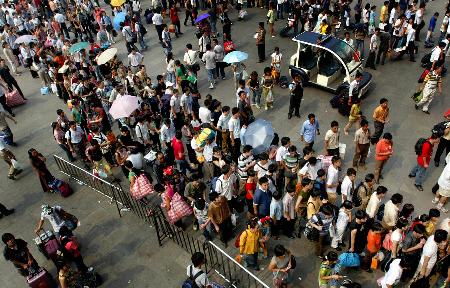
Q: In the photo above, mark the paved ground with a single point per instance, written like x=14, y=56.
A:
x=122, y=249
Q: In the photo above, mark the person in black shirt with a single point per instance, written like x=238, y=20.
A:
x=5, y=74
x=358, y=233
x=16, y=251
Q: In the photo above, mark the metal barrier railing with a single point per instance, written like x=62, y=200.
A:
x=149, y=210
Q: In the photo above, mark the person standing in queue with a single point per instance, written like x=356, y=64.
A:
x=296, y=96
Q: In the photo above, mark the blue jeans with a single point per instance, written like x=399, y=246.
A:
x=170, y=76
x=182, y=165
x=211, y=74
x=142, y=42
x=419, y=172
x=251, y=260
x=256, y=98
x=168, y=47
x=359, y=45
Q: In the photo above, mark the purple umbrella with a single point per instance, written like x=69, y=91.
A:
x=201, y=17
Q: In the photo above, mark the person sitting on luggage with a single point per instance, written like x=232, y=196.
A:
x=17, y=252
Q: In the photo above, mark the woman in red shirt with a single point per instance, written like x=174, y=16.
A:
x=250, y=187
x=173, y=13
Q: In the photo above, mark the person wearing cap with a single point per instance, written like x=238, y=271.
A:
x=261, y=41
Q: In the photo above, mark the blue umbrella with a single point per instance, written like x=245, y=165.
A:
x=201, y=17
x=78, y=47
x=235, y=56
x=119, y=18
x=259, y=135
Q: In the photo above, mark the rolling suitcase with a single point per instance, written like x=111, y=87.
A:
x=14, y=99
x=47, y=244
x=40, y=279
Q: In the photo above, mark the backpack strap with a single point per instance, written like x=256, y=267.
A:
x=194, y=277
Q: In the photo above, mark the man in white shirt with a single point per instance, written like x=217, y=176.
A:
x=348, y=184
x=394, y=273
x=167, y=133
x=234, y=126
x=209, y=58
x=353, y=90
x=332, y=140
x=429, y=253
x=204, y=113
x=436, y=55
x=226, y=184
x=375, y=201
x=75, y=139
x=333, y=179
x=135, y=60
x=129, y=37
x=157, y=19
x=373, y=47
x=175, y=109
x=194, y=271
x=190, y=57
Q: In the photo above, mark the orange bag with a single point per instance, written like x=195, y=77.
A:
x=374, y=264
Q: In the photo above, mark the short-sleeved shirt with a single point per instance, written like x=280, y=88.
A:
x=362, y=137
x=289, y=205
x=260, y=169
x=234, y=125
x=242, y=163
x=360, y=237
x=309, y=131
x=276, y=209
x=393, y=275
x=175, y=102
x=427, y=151
x=430, y=249
x=290, y=161
x=262, y=199
x=201, y=280
x=435, y=54
x=409, y=242
x=54, y=218
x=380, y=113
x=76, y=136
x=333, y=139
x=347, y=187
x=332, y=178
x=20, y=254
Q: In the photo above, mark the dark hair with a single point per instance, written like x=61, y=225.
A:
x=7, y=237
x=401, y=223
x=279, y=250
x=335, y=159
x=225, y=169
x=272, y=167
x=311, y=115
x=197, y=259
x=364, y=122
x=334, y=123
x=225, y=108
x=360, y=214
x=331, y=256
x=351, y=171
x=263, y=180
x=369, y=177
x=381, y=190
x=407, y=210
x=292, y=148
x=307, y=150
x=263, y=156
x=247, y=148
x=200, y=204
x=234, y=110
x=383, y=100
x=327, y=209
x=347, y=204
x=213, y=196
x=397, y=198
x=376, y=226
x=434, y=213
x=251, y=172
x=440, y=235
x=315, y=193
x=290, y=187
x=312, y=160
x=321, y=173
x=285, y=141
x=387, y=136
x=277, y=195
x=159, y=187
x=305, y=181
x=189, y=46
x=419, y=228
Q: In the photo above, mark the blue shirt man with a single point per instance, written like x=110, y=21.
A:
x=309, y=130
x=262, y=198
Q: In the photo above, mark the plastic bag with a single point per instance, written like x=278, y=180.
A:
x=16, y=164
x=349, y=259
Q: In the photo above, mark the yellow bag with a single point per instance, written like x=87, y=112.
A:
x=201, y=159
x=374, y=264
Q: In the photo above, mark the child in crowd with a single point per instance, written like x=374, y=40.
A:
x=201, y=213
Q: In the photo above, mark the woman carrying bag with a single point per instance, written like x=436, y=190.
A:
x=282, y=266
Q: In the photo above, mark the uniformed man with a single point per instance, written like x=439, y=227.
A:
x=296, y=92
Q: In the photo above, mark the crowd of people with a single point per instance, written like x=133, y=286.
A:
x=202, y=169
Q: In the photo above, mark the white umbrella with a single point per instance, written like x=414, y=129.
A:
x=124, y=106
x=26, y=39
x=106, y=55
x=60, y=17
x=259, y=134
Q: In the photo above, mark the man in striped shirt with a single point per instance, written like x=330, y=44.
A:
x=290, y=165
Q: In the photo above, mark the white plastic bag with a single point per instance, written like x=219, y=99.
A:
x=54, y=88
x=233, y=219
x=16, y=164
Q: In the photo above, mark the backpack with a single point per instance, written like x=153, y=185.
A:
x=356, y=199
x=190, y=281
x=380, y=213
x=237, y=242
x=284, y=82
x=214, y=184
x=419, y=145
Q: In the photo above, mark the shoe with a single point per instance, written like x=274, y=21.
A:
x=338, y=249
x=298, y=116
x=13, y=115
x=426, y=112
x=381, y=177
x=436, y=163
x=411, y=176
x=289, y=116
x=257, y=106
x=211, y=86
x=291, y=236
x=416, y=106
x=434, y=201
x=265, y=108
x=419, y=187
x=1, y=216
x=223, y=78
x=341, y=244
x=369, y=271
x=18, y=171
x=273, y=36
x=8, y=212
x=11, y=177
x=90, y=269
x=194, y=227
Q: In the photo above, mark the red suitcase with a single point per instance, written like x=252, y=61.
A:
x=14, y=99
x=41, y=279
x=65, y=189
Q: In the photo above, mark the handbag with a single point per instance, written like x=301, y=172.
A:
x=178, y=209
x=311, y=233
x=141, y=188
x=349, y=259
x=70, y=220
x=293, y=262
x=278, y=279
